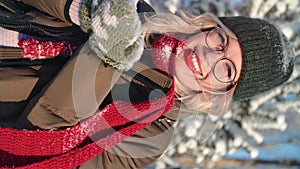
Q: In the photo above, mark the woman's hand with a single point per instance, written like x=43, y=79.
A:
x=115, y=32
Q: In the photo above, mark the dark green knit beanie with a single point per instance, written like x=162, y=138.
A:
x=268, y=57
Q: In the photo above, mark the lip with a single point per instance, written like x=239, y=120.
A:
x=188, y=55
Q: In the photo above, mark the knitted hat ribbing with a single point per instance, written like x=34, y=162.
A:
x=268, y=57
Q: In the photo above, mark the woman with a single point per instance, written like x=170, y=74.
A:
x=212, y=60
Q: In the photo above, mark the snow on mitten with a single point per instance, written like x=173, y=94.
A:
x=115, y=31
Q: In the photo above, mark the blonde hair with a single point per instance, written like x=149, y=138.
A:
x=169, y=23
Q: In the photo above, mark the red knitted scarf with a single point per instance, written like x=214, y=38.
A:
x=46, y=49
x=71, y=147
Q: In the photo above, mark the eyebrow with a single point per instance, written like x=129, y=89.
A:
x=209, y=29
x=199, y=31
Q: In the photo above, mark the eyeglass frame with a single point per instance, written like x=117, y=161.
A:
x=231, y=82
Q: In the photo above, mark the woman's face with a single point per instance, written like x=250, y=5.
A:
x=210, y=61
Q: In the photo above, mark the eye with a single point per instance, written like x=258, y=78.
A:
x=229, y=71
x=222, y=40
x=217, y=39
x=224, y=71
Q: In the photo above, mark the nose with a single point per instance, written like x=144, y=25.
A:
x=209, y=56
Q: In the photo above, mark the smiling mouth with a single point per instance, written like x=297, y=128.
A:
x=193, y=62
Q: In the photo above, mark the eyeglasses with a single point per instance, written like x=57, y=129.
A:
x=224, y=69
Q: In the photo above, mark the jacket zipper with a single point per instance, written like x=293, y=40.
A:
x=36, y=28
x=20, y=62
x=27, y=62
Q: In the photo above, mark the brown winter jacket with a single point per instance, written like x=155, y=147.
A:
x=40, y=94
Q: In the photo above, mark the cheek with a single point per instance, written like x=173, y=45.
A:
x=185, y=76
x=210, y=83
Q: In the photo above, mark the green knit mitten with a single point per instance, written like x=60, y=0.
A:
x=115, y=31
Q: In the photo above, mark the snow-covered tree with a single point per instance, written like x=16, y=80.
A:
x=243, y=126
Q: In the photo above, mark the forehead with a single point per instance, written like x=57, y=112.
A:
x=234, y=53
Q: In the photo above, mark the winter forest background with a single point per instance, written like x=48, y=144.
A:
x=261, y=133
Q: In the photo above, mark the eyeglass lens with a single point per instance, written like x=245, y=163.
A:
x=217, y=39
x=224, y=71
